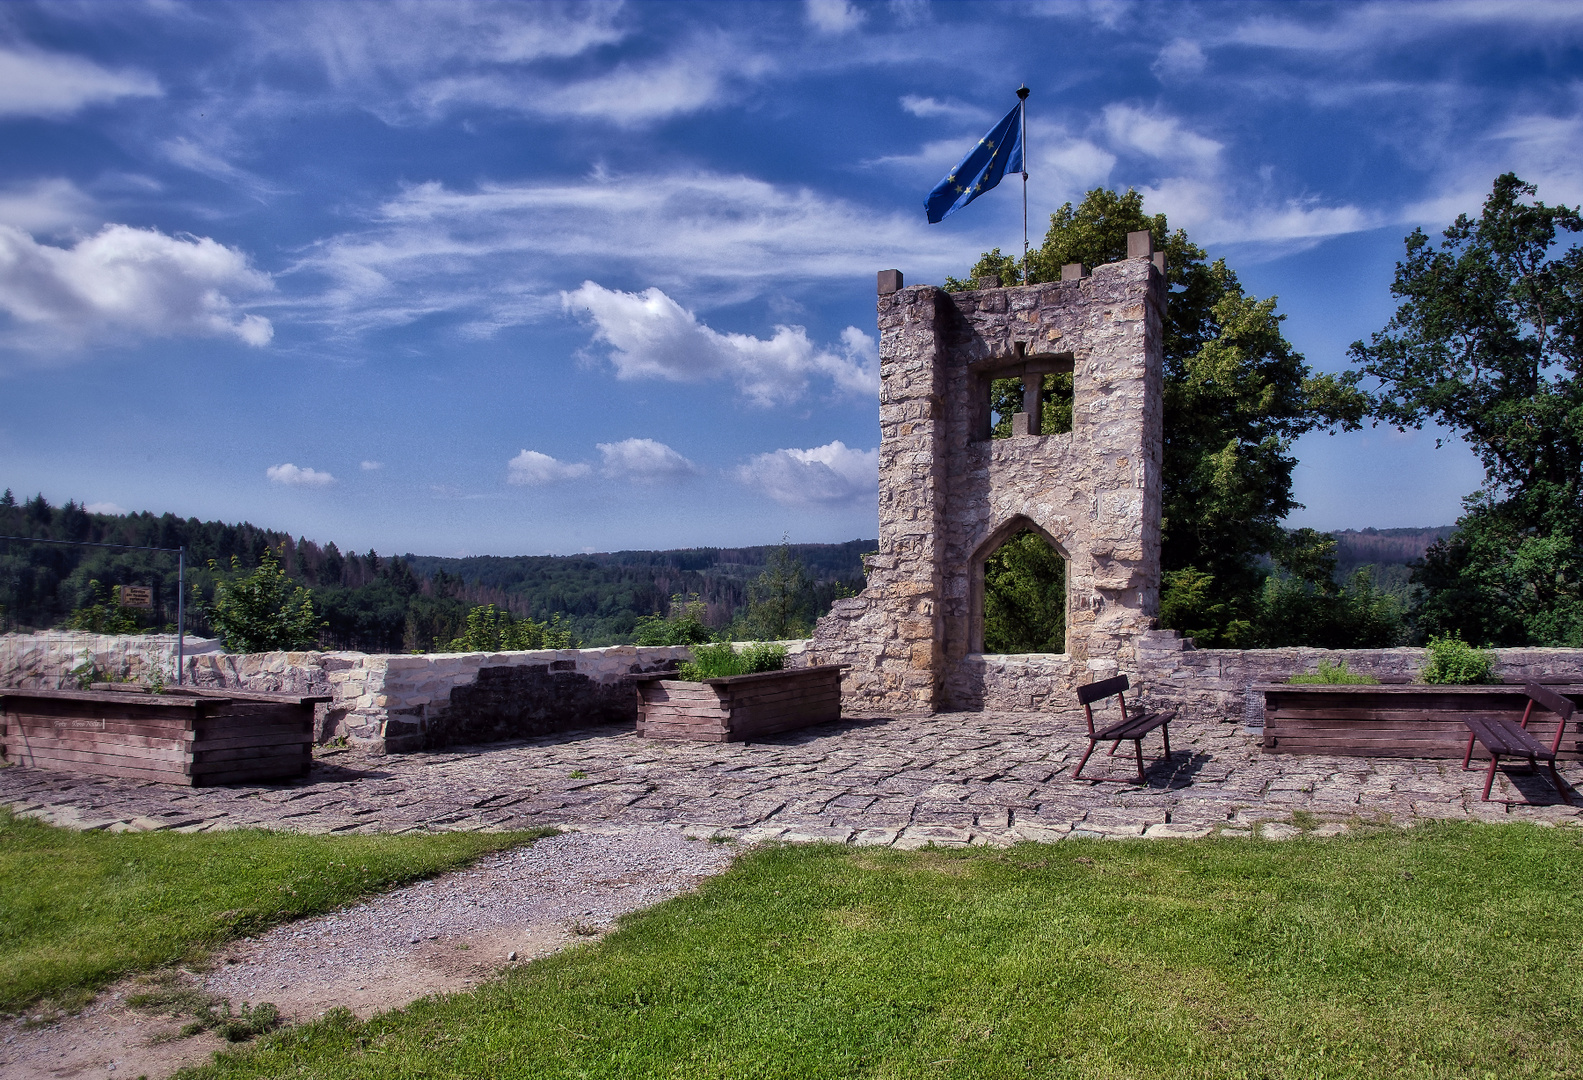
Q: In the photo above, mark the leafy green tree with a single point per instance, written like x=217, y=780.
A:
x=779, y=600
x=1025, y=597
x=1487, y=341
x=1236, y=396
x=103, y=614
x=262, y=611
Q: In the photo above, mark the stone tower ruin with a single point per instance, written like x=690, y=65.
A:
x=950, y=496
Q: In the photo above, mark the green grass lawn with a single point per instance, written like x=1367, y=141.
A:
x=1444, y=951
x=78, y=909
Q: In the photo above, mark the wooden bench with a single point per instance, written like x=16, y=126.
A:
x=1132, y=728
x=1503, y=737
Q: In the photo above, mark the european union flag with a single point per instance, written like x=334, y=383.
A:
x=981, y=170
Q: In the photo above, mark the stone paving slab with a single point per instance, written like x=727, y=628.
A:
x=903, y=781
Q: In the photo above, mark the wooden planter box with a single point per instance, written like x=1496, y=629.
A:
x=183, y=736
x=740, y=707
x=1416, y=721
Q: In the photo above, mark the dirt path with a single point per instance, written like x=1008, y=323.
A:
x=438, y=936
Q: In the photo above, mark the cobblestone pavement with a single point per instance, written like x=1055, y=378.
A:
x=949, y=778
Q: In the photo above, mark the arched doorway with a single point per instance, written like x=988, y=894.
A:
x=1021, y=598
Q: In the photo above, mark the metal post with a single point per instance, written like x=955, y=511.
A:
x=181, y=615
x=1022, y=96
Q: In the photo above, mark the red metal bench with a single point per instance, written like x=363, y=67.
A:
x=1128, y=727
x=1507, y=738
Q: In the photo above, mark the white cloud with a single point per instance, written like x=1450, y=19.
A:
x=46, y=207
x=928, y=108
x=493, y=252
x=1368, y=28
x=652, y=336
x=693, y=78
x=54, y=85
x=371, y=466
x=645, y=461
x=124, y=280
x=531, y=468
x=832, y=16
x=105, y=508
x=291, y=476
x=1179, y=59
x=832, y=475
x=1159, y=136
x=378, y=40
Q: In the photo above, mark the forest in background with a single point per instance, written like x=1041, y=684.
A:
x=387, y=603
x=398, y=603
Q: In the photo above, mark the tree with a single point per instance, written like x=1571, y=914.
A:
x=778, y=601
x=262, y=611
x=1236, y=396
x=1025, y=597
x=1487, y=341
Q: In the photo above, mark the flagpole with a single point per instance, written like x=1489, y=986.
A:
x=1022, y=96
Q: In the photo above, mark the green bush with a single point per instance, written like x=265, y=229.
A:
x=262, y=611
x=1333, y=675
x=721, y=661
x=1455, y=662
x=489, y=629
x=683, y=625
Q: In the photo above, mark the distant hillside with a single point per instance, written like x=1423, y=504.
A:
x=381, y=603
x=1388, y=551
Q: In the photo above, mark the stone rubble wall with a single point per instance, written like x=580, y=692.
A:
x=44, y=661
x=1216, y=684
x=396, y=702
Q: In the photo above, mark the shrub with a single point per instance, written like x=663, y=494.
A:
x=103, y=614
x=1454, y=661
x=262, y=611
x=490, y=629
x=684, y=625
x=1333, y=675
x=721, y=661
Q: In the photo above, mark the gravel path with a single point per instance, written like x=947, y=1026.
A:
x=437, y=936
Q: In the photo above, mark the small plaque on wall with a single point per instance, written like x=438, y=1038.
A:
x=139, y=596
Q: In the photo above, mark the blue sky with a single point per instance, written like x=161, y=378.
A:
x=525, y=278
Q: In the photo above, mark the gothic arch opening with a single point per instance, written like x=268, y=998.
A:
x=1019, y=599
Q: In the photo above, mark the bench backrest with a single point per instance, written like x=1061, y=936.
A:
x=1548, y=699
x=1087, y=695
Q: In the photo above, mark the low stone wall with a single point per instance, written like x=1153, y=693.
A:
x=44, y=661
x=1208, y=684
x=398, y=702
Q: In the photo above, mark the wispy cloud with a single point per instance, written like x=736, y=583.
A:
x=830, y=476
x=290, y=475
x=494, y=252
x=832, y=16
x=52, y=85
x=46, y=207
x=652, y=336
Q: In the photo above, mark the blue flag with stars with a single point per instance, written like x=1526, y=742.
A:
x=982, y=169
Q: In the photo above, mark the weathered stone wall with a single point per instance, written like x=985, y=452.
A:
x=398, y=702
x=44, y=661
x=949, y=495
x=1214, y=684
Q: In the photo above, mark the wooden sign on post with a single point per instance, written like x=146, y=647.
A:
x=138, y=596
